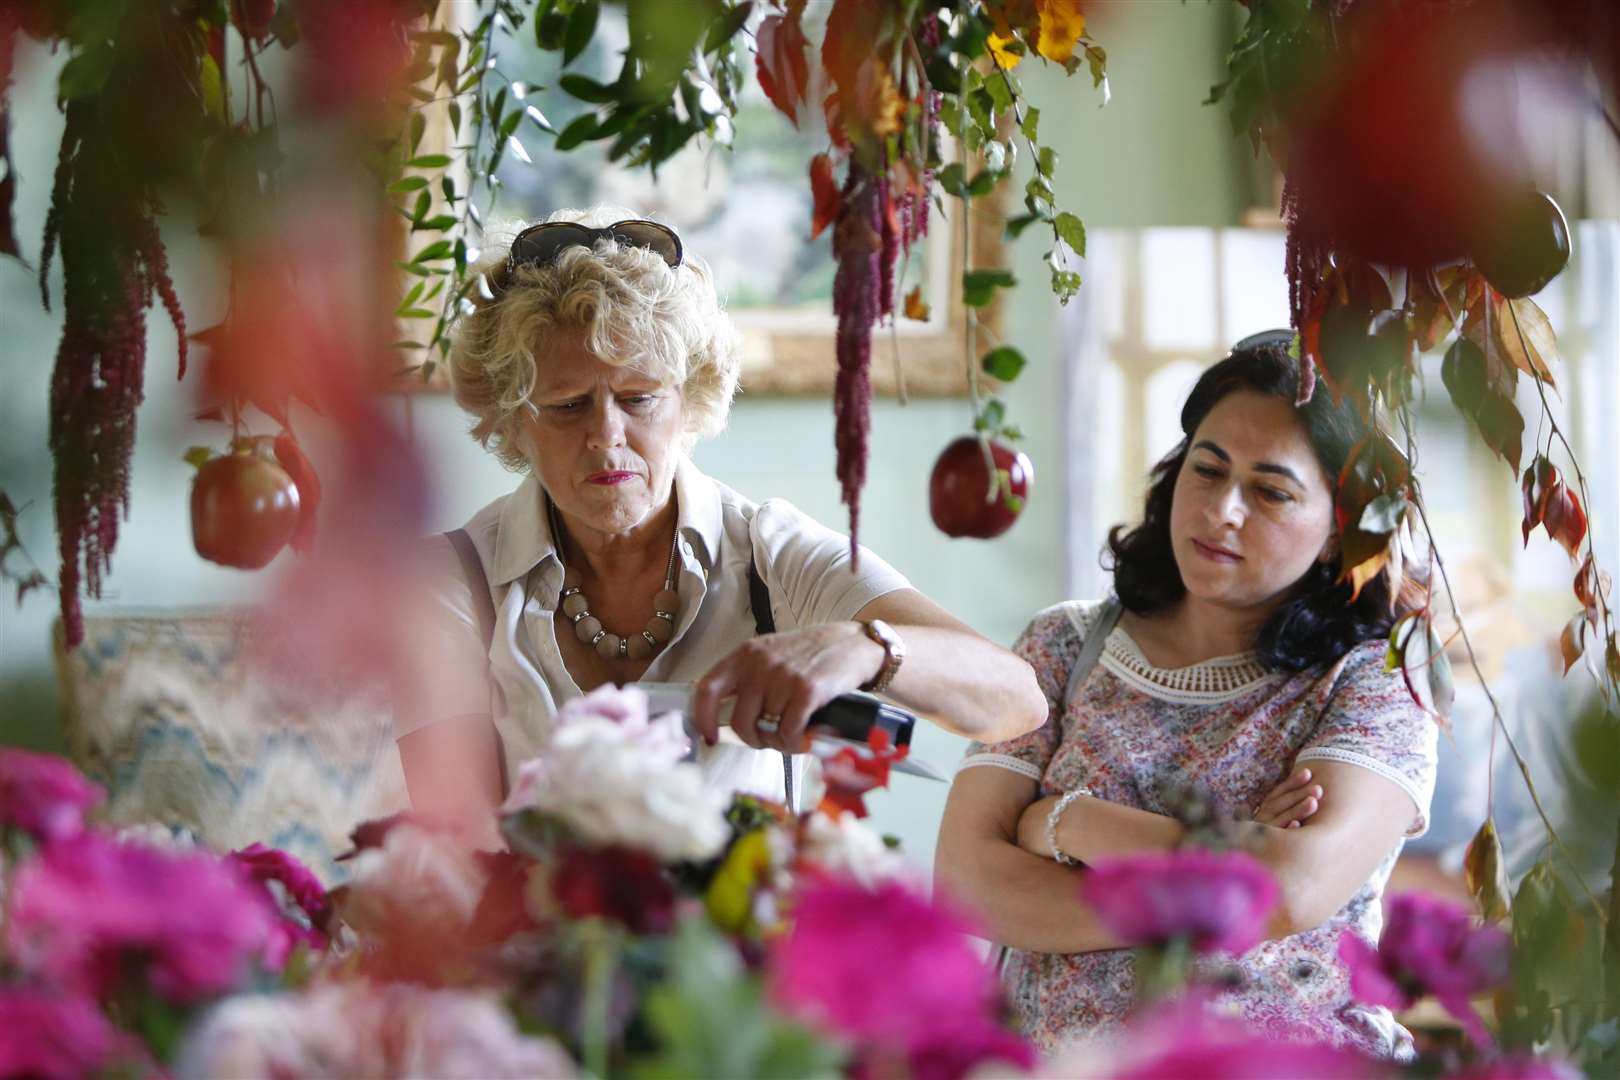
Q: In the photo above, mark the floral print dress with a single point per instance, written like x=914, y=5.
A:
x=1135, y=735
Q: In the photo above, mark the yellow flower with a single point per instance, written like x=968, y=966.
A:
x=730, y=899
x=1004, y=57
x=1062, y=25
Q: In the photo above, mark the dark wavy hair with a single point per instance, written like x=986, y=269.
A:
x=1317, y=623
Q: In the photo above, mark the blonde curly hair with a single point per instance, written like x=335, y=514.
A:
x=632, y=308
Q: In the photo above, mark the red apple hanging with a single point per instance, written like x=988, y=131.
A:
x=244, y=509
x=960, y=498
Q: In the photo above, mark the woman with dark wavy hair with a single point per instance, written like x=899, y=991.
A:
x=1232, y=662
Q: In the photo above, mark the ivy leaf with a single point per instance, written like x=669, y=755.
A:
x=1486, y=872
x=1003, y=363
x=979, y=286
x=581, y=26
x=1072, y=231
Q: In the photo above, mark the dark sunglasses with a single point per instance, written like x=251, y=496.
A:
x=539, y=245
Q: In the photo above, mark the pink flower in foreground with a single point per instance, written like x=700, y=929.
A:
x=1184, y=1039
x=1220, y=902
x=887, y=968
x=89, y=910
x=300, y=888
x=43, y=795
x=48, y=1036
x=1429, y=946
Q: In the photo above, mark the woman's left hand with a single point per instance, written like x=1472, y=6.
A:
x=784, y=677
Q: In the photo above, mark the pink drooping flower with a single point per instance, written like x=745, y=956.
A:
x=302, y=899
x=1219, y=902
x=1429, y=946
x=51, y=1036
x=43, y=795
x=88, y=911
x=892, y=971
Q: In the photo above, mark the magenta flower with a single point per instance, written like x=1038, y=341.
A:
x=89, y=911
x=1184, y=1039
x=1219, y=902
x=890, y=970
x=301, y=900
x=52, y=1036
x=43, y=795
x=1429, y=946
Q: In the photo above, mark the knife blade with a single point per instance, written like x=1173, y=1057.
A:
x=846, y=721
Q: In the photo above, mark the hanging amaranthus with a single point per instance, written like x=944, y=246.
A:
x=112, y=264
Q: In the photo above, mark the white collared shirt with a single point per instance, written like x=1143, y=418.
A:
x=805, y=565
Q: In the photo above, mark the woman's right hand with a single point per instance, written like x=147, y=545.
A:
x=1291, y=803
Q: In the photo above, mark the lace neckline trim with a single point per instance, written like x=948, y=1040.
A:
x=1219, y=679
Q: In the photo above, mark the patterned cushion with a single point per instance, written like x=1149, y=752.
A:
x=171, y=713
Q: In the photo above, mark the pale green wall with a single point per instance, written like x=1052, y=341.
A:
x=1155, y=155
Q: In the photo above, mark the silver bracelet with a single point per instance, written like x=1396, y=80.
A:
x=1052, y=824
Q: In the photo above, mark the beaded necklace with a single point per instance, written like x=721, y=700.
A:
x=588, y=628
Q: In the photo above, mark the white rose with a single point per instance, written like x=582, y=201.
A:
x=843, y=846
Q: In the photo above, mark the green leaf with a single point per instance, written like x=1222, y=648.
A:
x=1016, y=226
x=439, y=249
x=198, y=456
x=1004, y=363
x=982, y=184
x=408, y=183
x=85, y=74
x=510, y=124
x=1031, y=124
x=428, y=161
x=417, y=313
x=588, y=90
x=992, y=415
x=1046, y=161
x=1001, y=97
x=726, y=25
x=1071, y=230
x=953, y=179
x=578, y=130
x=410, y=297
x=581, y=26
x=979, y=286
x=943, y=75
x=437, y=222
x=550, y=30
x=455, y=118
x=423, y=202
x=979, y=105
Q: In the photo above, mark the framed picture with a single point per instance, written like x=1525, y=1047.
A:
x=746, y=212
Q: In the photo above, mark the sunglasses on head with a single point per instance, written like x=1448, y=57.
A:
x=539, y=245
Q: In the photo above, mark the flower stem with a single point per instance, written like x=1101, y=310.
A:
x=601, y=960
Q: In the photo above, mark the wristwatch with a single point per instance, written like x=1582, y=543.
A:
x=894, y=651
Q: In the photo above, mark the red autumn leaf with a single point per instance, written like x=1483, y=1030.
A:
x=1437, y=304
x=1591, y=585
x=1426, y=669
x=1375, y=467
x=1512, y=333
x=1565, y=520
x=1539, y=480
x=823, y=193
x=308, y=483
x=1502, y=427
x=783, y=60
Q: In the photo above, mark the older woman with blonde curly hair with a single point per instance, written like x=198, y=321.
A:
x=595, y=358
